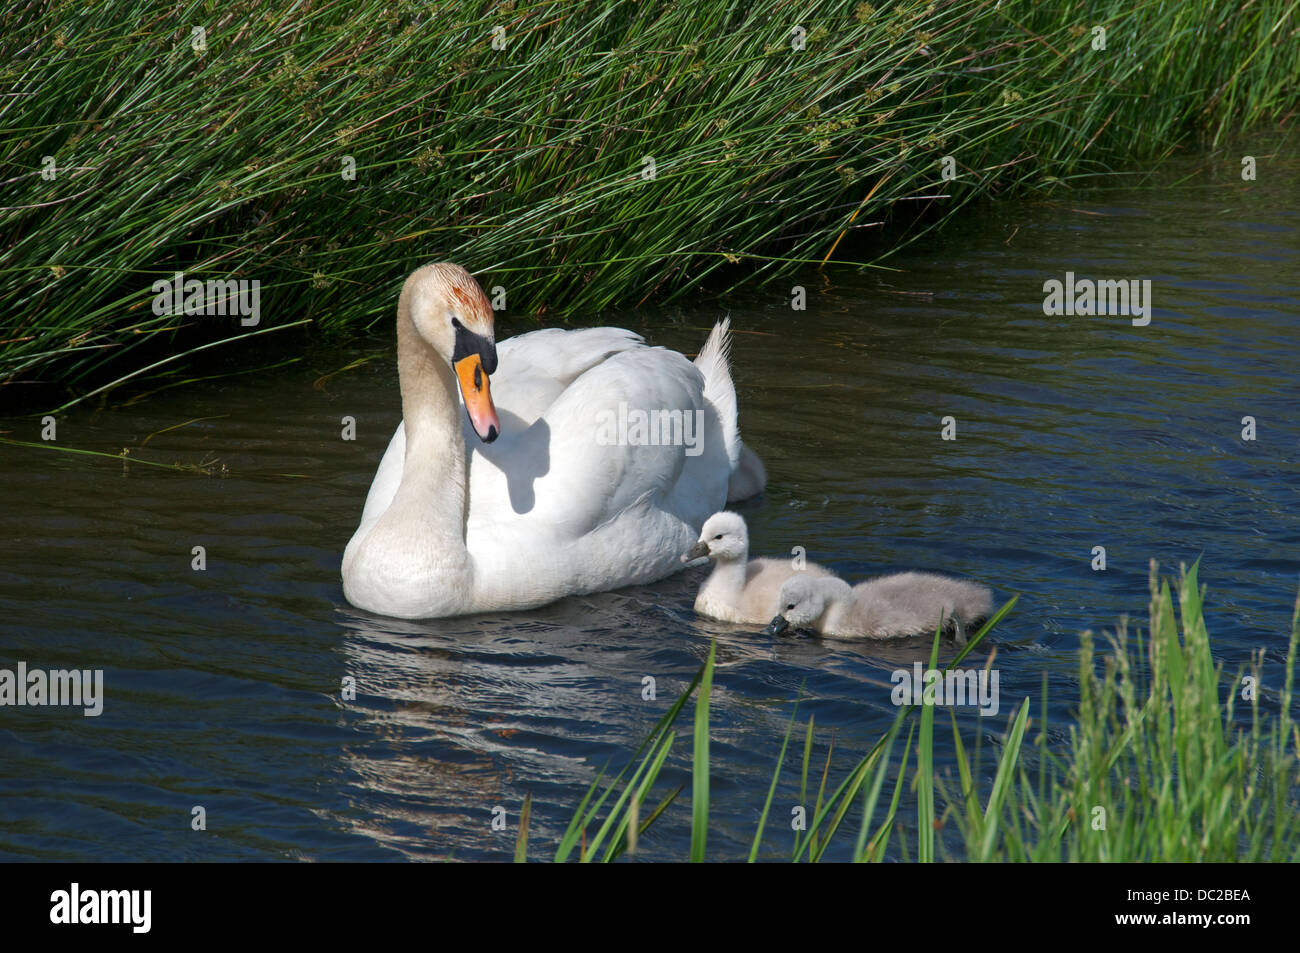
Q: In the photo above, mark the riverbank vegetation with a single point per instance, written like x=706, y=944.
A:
x=581, y=156
x=1166, y=762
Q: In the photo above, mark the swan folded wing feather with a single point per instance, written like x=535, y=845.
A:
x=572, y=514
x=388, y=477
x=533, y=369
x=578, y=484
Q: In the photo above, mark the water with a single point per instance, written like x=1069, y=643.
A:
x=222, y=687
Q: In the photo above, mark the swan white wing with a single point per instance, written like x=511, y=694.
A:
x=384, y=486
x=533, y=369
x=561, y=501
x=576, y=467
x=555, y=506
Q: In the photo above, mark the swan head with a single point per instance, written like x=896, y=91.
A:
x=803, y=600
x=451, y=312
x=724, y=538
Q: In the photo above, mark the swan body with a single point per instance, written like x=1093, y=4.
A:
x=739, y=589
x=533, y=492
x=901, y=604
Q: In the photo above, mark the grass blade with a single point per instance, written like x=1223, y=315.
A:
x=700, y=764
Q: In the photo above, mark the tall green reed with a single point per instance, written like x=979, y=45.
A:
x=529, y=163
x=1160, y=766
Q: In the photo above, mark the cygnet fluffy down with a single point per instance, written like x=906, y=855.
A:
x=740, y=589
x=902, y=604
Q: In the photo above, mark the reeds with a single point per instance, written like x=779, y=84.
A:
x=607, y=154
x=1161, y=765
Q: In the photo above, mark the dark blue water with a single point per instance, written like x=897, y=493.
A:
x=223, y=686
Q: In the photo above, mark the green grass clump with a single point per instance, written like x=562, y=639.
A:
x=1159, y=767
x=528, y=163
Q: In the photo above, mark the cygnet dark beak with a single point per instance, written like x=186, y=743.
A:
x=695, y=552
x=777, y=626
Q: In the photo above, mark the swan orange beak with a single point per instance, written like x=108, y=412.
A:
x=475, y=389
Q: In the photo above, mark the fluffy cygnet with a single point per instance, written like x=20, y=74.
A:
x=740, y=589
x=902, y=604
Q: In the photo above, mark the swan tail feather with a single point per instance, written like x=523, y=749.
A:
x=714, y=363
x=748, y=476
x=748, y=479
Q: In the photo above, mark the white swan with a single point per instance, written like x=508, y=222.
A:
x=739, y=589
x=610, y=454
x=905, y=603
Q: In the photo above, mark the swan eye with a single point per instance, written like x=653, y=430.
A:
x=455, y=322
x=719, y=536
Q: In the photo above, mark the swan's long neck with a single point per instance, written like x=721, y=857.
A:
x=431, y=499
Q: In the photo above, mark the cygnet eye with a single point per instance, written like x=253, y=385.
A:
x=789, y=607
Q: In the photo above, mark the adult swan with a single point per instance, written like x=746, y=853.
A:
x=598, y=462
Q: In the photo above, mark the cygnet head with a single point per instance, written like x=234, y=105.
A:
x=802, y=602
x=450, y=311
x=724, y=538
